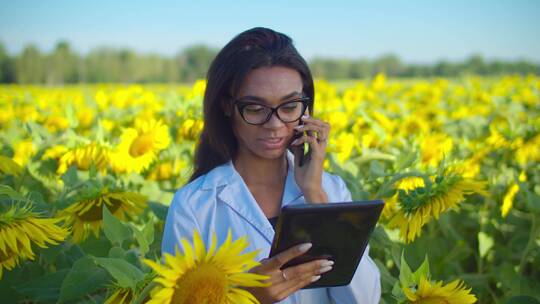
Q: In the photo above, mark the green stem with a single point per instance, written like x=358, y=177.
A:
x=530, y=244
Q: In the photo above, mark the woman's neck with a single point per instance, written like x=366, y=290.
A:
x=260, y=171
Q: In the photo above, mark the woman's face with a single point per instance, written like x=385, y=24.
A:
x=270, y=86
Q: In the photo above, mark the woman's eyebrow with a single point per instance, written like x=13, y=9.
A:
x=257, y=98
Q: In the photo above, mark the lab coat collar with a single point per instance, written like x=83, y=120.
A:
x=237, y=195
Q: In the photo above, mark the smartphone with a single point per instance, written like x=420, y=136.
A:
x=305, y=149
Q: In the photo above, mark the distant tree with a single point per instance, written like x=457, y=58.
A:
x=444, y=68
x=62, y=65
x=194, y=61
x=127, y=66
x=103, y=64
x=7, y=73
x=475, y=65
x=29, y=66
x=388, y=64
x=360, y=69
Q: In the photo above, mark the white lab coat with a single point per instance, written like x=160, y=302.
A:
x=220, y=200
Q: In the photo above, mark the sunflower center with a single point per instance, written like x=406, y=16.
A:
x=205, y=284
x=95, y=213
x=141, y=145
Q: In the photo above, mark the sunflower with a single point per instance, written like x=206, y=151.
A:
x=407, y=183
x=508, y=200
x=417, y=287
x=8, y=166
x=190, y=129
x=528, y=151
x=435, y=292
x=212, y=277
x=434, y=147
x=140, y=146
x=83, y=157
x=343, y=146
x=19, y=229
x=418, y=205
x=167, y=169
x=55, y=152
x=87, y=214
x=24, y=151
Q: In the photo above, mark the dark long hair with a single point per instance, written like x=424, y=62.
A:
x=254, y=48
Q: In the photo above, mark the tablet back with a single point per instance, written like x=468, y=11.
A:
x=338, y=231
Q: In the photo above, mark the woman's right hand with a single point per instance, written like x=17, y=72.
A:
x=284, y=282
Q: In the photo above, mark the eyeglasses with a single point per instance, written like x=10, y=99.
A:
x=258, y=114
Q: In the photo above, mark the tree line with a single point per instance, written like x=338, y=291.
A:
x=63, y=65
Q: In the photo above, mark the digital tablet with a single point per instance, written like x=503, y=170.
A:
x=338, y=232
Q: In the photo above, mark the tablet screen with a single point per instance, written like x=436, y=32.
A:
x=338, y=231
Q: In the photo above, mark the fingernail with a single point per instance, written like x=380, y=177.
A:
x=327, y=263
x=315, y=278
x=299, y=127
x=305, y=116
x=294, y=142
x=325, y=269
x=304, y=247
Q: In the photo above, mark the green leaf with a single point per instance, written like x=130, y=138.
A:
x=397, y=292
x=376, y=169
x=522, y=300
x=125, y=274
x=117, y=252
x=159, y=210
x=351, y=167
x=532, y=201
x=38, y=132
x=114, y=229
x=406, y=161
x=45, y=288
x=144, y=237
x=405, y=273
x=11, y=193
x=133, y=256
x=70, y=115
x=92, y=171
x=70, y=177
x=84, y=278
x=422, y=271
x=485, y=243
x=96, y=246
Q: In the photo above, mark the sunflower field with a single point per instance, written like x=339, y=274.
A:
x=87, y=172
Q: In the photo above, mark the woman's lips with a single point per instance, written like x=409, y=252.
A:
x=272, y=143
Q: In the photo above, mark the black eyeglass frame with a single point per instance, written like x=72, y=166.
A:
x=241, y=104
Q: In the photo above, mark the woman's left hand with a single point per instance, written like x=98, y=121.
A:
x=309, y=176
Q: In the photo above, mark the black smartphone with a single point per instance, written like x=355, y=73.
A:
x=305, y=151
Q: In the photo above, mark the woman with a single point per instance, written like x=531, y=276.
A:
x=258, y=89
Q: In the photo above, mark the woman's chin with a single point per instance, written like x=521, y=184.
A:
x=272, y=154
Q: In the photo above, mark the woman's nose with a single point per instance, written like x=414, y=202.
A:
x=274, y=121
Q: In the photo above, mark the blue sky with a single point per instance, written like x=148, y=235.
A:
x=417, y=31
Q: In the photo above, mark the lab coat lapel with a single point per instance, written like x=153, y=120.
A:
x=237, y=195
x=292, y=192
